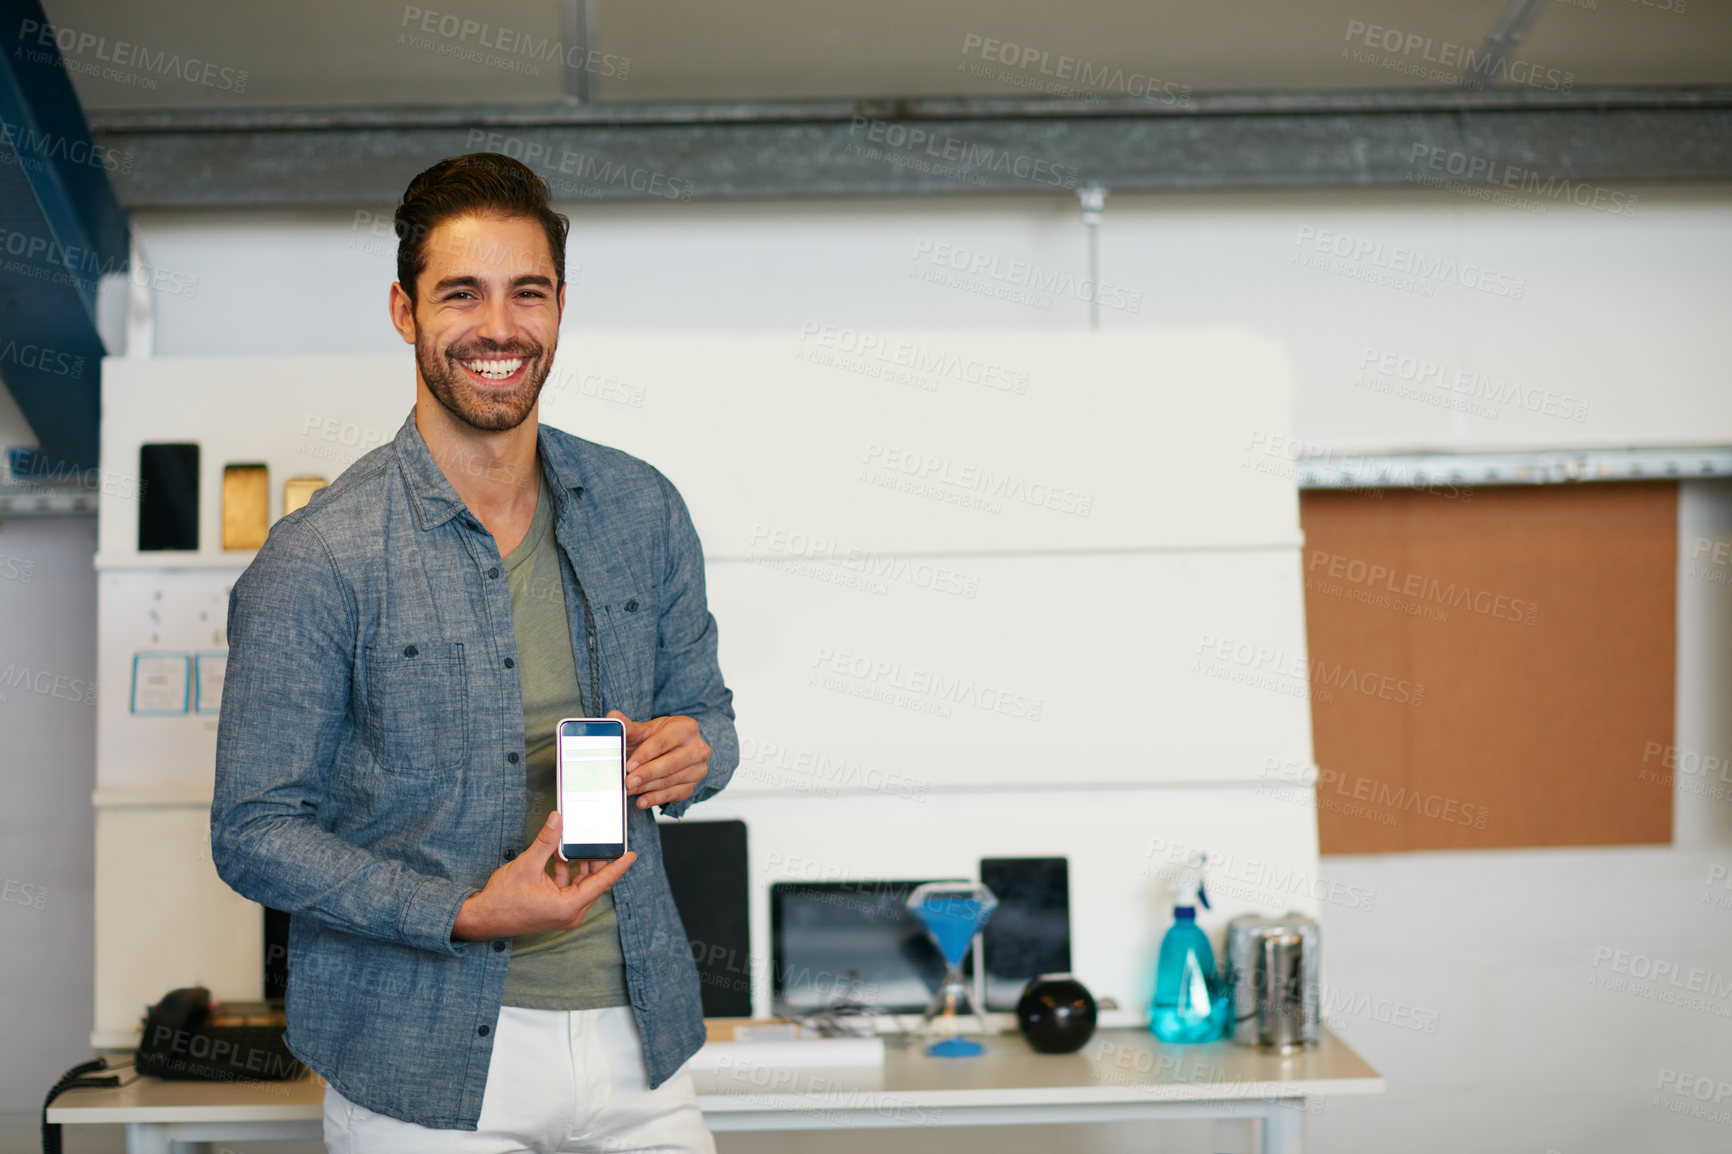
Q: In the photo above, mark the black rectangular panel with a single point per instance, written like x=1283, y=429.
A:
x=168, y=497
x=276, y=955
x=706, y=864
x=1029, y=933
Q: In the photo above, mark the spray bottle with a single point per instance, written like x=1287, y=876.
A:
x=1190, y=1000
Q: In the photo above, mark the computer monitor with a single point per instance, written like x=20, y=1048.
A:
x=850, y=945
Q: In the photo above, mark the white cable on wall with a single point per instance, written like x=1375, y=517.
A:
x=1093, y=198
x=140, y=307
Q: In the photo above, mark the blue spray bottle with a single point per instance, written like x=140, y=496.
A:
x=1190, y=1001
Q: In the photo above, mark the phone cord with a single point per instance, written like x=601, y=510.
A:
x=73, y=1079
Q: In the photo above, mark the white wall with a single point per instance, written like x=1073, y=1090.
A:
x=47, y=752
x=1620, y=317
x=1700, y=762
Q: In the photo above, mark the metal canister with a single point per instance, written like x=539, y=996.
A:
x=1273, y=965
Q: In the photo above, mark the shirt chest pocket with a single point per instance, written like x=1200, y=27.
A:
x=417, y=708
x=628, y=628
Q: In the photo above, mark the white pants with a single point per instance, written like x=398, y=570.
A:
x=565, y=1080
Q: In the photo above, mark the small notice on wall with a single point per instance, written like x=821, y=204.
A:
x=160, y=683
x=207, y=680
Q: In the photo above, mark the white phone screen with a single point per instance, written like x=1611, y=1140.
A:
x=592, y=794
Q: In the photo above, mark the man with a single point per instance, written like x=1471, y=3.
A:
x=399, y=652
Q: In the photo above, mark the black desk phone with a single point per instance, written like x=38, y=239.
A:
x=185, y=1039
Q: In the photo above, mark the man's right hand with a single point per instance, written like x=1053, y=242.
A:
x=520, y=897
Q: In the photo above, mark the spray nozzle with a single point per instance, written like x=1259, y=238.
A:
x=1190, y=891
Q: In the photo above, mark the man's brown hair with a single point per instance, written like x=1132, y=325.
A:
x=489, y=183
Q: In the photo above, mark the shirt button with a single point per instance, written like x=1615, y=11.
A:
x=411, y=651
x=483, y=1031
x=631, y=606
x=499, y=947
x=509, y=854
x=494, y=572
x=512, y=758
x=509, y=664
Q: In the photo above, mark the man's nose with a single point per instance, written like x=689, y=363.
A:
x=496, y=320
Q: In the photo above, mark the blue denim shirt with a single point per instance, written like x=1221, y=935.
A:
x=369, y=765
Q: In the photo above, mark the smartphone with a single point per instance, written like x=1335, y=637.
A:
x=168, y=496
x=590, y=783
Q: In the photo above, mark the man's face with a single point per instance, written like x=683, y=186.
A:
x=486, y=322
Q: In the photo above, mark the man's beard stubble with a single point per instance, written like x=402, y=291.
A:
x=489, y=412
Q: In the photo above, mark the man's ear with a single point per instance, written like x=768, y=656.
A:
x=402, y=312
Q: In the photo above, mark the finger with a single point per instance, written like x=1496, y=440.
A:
x=664, y=796
x=654, y=743
x=682, y=758
x=664, y=734
x=546, y=842
x=633, y=730
x=601, y=879
x=670, y=771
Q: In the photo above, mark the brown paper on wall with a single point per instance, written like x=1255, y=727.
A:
x=1491, y=667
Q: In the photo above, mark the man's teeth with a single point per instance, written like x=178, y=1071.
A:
x=494, y=370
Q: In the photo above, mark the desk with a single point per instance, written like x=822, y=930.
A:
x=1121, y=1075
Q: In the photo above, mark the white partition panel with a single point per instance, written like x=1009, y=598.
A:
x=1080, y=669
x=1118, y=441
x=980, y=594
x=154, y=626
x=1085, y=669
x=163, y=917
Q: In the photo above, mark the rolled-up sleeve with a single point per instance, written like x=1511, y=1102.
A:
x=688, y=679
x=285, y=717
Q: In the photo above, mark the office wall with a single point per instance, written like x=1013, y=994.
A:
x=1622, y=314
x=47, y=753
x=1616, y=338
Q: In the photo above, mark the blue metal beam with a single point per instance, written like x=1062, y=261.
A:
x=61, y=230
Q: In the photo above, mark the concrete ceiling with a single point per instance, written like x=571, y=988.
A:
x=181, y=54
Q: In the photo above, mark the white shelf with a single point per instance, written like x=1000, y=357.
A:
x=172, y=560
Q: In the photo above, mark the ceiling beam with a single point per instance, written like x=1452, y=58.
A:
x=266, y=158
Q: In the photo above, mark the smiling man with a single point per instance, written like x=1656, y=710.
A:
x=399, y=653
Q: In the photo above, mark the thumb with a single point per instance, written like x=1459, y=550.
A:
x=632, y=736
x=546, y=841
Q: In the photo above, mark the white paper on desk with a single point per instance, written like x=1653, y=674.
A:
x=785, y=1055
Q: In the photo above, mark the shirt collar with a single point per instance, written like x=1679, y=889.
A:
x=436, y=502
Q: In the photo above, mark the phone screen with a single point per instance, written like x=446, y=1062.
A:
x=592, y=788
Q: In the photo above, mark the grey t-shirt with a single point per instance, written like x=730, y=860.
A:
x=581, y=969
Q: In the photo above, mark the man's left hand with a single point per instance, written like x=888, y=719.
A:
x=666, y=758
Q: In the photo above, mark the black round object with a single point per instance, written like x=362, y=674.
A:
x=1056, y=1013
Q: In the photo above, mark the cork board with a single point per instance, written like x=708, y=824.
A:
x=1488, y=665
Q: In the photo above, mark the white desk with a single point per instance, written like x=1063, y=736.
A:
x=1121, y=1075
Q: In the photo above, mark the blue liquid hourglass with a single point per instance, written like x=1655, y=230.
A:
x=952, y=912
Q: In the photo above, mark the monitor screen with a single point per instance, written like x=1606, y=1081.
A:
x=850, y=945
